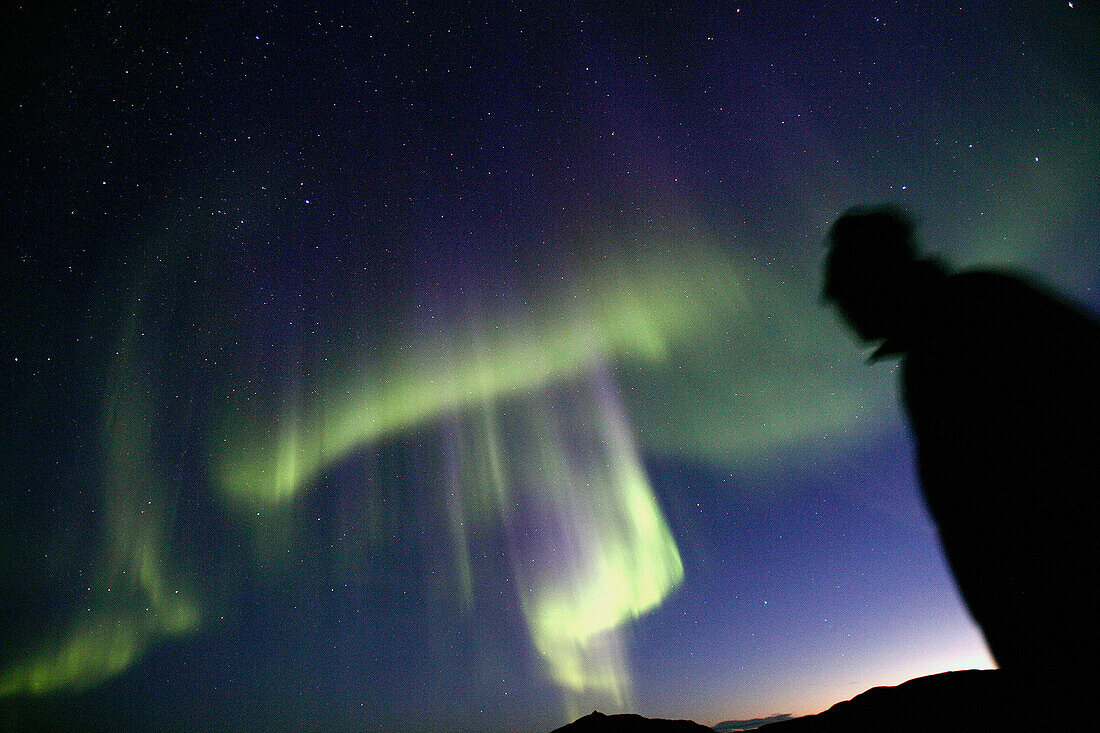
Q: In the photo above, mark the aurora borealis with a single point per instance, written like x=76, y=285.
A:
x=382, y=367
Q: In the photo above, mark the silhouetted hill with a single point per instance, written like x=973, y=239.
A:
x=971, y=701
x=728, y=726
x=975, y=701
x=597, y=722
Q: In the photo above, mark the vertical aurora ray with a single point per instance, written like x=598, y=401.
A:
x=134, y=598
x=457, y=513
x=591, y=549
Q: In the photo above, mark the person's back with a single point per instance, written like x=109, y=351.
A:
x=1004, y=406
x=1001, y=383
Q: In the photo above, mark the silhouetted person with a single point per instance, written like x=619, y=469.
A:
x=1001, y=382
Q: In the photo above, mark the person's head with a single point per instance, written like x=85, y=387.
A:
x=873, y=273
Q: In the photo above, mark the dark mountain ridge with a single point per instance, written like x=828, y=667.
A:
x=974, y=701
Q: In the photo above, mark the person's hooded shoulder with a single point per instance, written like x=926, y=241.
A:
x=1007, y=312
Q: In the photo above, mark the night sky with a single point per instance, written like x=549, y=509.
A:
x=373, y=366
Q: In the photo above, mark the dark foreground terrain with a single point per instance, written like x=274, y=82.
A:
x=597, y=722
x=975, y=701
